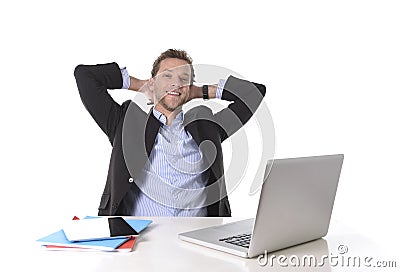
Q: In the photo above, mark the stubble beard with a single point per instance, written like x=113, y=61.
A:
x=167, y=107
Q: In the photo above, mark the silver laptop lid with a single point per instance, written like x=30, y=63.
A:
x=296, y=202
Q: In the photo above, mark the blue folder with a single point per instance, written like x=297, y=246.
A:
x=58, y=238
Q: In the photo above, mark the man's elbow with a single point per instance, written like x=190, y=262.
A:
x=261, y=88
x=79, y=70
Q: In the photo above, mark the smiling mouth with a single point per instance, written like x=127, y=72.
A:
x=175, y=93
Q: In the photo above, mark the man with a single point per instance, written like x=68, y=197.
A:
x=165, y=162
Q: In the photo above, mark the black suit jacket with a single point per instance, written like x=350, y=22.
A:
x=132, y=132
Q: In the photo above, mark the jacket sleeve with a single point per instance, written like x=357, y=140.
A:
x=93, y=82
x=245, y=96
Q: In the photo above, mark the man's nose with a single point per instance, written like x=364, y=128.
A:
x=176, y=82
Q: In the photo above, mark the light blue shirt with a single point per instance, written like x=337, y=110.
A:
x=175, y=176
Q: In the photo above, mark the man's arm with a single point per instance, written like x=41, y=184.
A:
x=136, y=84
x=93, y=82
x=197, y=92
x=245, y=96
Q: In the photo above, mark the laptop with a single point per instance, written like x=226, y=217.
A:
x=295, y=207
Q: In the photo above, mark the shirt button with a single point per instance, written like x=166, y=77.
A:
x=130, y=180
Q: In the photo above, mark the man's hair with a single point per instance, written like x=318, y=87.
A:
x=172, y=53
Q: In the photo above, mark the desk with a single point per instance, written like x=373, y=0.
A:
x=159, y=249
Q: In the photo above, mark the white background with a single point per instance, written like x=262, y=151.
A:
x=331, y=71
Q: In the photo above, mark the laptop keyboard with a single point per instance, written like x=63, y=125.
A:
x=242, y=240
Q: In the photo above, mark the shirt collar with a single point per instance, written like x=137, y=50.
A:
x=163, y=119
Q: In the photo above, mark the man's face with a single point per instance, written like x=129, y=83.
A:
x=171, y=84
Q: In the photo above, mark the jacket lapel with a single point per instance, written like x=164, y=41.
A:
x=152, y=127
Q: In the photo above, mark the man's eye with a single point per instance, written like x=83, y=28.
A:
x=185, y=79
x=166, y=75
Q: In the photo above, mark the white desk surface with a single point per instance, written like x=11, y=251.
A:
x=159, y=249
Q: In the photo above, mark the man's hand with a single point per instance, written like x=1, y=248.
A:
x=145, y=89
x=141, y=86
